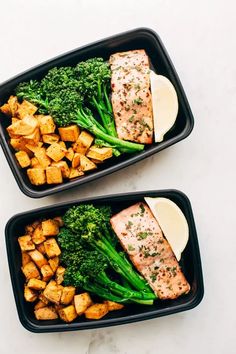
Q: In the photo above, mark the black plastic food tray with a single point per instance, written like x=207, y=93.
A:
x=160, y=61
x=190, y=262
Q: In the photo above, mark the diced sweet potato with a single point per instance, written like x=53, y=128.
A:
x=34, y=163
x=99, y=153
x=13, y=104
x=33, y=138
x=83, y=142
x=65, y=170
x=36, y=284
x=51, y=247
x=38, y=258
x=50, y=138
x=68, y=294
x=82, y=302
x=112, y=306
x=25, y=126
x=5, y=109
x=40, y=304
x=30, y=271
x=26, y=243
x=37, y=235
x=34, y=147
x=56, y=152
x=53, y=292
x=96, y=311
x=25, y=257
x=36, y=176
x=54, y=175
x=46, y=125
x=23, y=158
x=41, y=248
x=46, y=313
x=70, y=154
x=60, y=274
x=86, y=164
x=75, y=172
x=54, y=263
x=26, y=108
x=29, y=294
x=68, y=314
x=50, y=227
x=43, y=299
x=42, y=157
x=69, y=133
x=20, y=144
x=76, y=160
x=47, y=272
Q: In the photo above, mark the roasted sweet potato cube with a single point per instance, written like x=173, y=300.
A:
x=34, y=163
x=25, y=126
x=59, y=221
x=86, y=164
x=50, y=227
x=60, y=274
x=36, y=176
x=51, y=247
x=25, y=257
x=30, y=271
x=34, y=147
x=83, y=142
x=82, y=302
x=37, y=235
x=65, y=170
x=20, y=144
x=29, y=294
x=43, y=299
x=54, y=263
x=42, y=157
x=69, y=133
x=41, y=248
x=75, y=172
x=46, y=313
x=29, y=230
x=36, y=284
x=47, y=272
x=33, y=138
x=50, y=138
x=40, y=304
x=23, y=158
x=46, y=125
x=99, y=153
x=68, y=294
x=76, y=160
x=26, y=243
x=68, y=314
x=13, y=104
x=26, y=108
x=96, y=311
x=56, y=152
x=5, y=109
x=14, y=120
x=53, y=292
x=70, y=154
x=54, y=175
x=112, y=306
x=38, y=258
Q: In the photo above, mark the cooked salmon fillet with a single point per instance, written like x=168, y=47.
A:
x=149, y=251
x=131, y=96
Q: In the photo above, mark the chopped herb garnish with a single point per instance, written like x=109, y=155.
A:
x=131, y=248
x=153, y=277
x=142, y=235
x=138, y=100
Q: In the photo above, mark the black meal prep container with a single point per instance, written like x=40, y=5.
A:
x=190, y=262
x=160, y=62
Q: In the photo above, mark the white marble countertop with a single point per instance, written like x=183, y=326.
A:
x=200, y=38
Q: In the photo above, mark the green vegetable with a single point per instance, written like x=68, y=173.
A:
x=88, y=268
x=92, y=225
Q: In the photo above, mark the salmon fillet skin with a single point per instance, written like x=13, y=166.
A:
x=131, y=96
x=142, y=239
